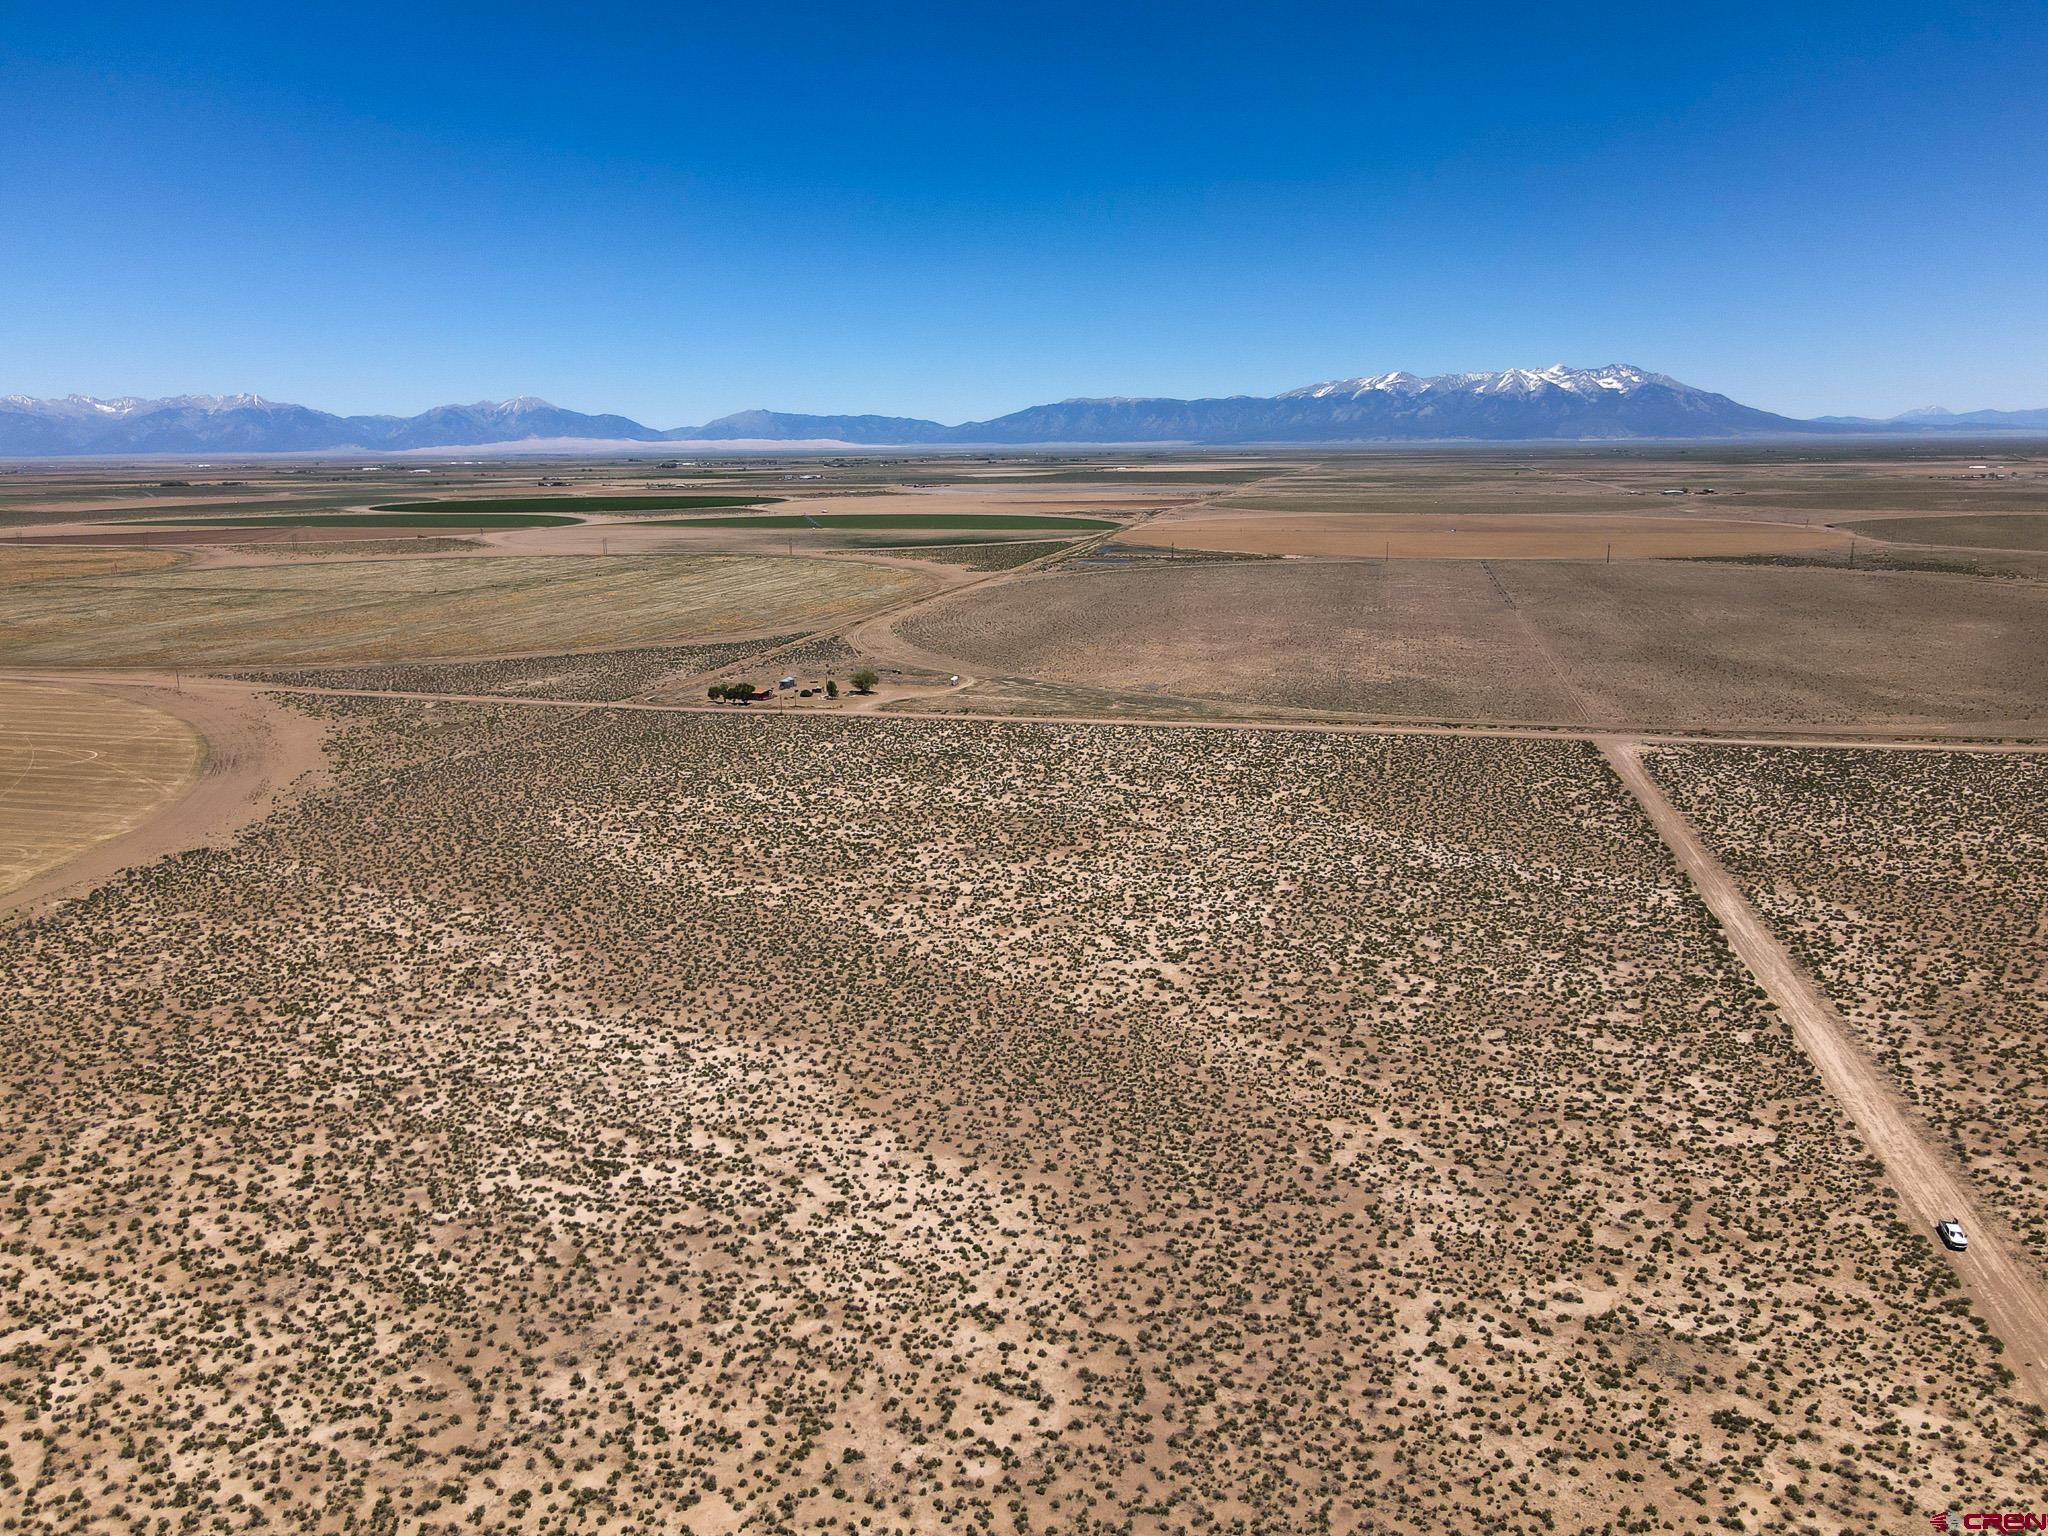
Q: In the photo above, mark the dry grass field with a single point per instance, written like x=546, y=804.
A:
x=1705, y=644
x=1804, y=484
x=359, y=549
x=424, y=609
x=1914, y=887
x=1666, y=644
x=2012, y=530
x=633, y=1122
x=1480, y=535
x=79, y=768
x=23, y=564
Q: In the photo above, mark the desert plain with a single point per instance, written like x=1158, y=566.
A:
x=1254, y=993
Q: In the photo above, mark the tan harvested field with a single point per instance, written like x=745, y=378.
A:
x=1069, y=1129
x=80, y=768
x=1480, y=535
x=682, y=538
x=425, y=609
x=1663, y=644
x=21, y=564
x=358, y=549
x=1914, y=888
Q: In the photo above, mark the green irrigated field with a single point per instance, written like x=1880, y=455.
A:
x=516, y=504
x=901, y=520
x=430, y=609
x=366, y=520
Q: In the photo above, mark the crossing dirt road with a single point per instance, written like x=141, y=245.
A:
x=2000, y=1283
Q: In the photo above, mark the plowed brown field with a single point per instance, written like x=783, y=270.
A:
x=79, y=768
x=1481, y=535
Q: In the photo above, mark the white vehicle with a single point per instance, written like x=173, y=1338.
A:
x=1952, y=1235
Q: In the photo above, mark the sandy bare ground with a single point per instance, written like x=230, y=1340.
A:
x=255, y=749
x=1480, y=535
x=1929, y=1188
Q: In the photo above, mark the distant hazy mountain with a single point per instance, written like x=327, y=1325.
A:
x=1936, y=418
x=502, y=421
x=79, y=424
x=788, y=427
x=1558, y=403
x=181, y=424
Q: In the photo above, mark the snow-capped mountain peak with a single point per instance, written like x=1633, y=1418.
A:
x=126, y=405
x=134, y=405
x=215, y=404
x=1396, y=383
x=1588, y=383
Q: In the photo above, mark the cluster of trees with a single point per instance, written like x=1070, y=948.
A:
x=864, y=681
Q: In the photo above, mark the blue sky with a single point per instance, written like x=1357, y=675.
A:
x=954, y=211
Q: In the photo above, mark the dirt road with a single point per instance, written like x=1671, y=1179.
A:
x=2000, y=1283
x=158, y=682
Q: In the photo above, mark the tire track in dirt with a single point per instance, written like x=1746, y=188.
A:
x=2003, y=1286
x=1589, y=712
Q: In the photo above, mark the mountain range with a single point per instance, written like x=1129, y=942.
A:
x=1936, y=418
x=1516, y=404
